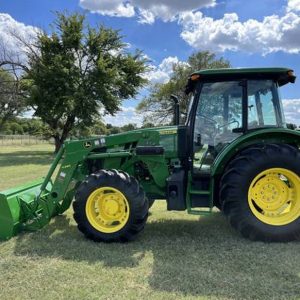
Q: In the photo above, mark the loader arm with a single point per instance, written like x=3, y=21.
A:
x=31, y=207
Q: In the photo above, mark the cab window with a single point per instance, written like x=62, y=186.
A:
x=263, y=104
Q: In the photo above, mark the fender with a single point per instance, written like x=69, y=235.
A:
x=263, y=136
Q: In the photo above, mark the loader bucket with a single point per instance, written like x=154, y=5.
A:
x=12, y=215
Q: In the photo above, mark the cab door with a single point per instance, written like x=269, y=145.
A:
x=217, y=121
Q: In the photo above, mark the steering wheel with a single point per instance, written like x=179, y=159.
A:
x=208, y=119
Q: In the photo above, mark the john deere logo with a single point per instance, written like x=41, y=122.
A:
x=87, y=144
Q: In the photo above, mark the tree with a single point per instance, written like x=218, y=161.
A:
x=77, y=72
x=115, y=130
x=128, y=127
x=16, y=128
x=31, y=126
x=12, y=101
x=98, y=128
x=148, y=125
x=157, y=106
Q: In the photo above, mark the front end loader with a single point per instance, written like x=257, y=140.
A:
x=235, y=152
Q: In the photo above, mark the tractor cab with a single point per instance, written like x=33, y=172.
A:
x=227, y=103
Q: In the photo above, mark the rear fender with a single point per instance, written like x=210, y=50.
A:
x=262, y=136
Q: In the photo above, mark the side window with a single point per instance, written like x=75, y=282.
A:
x=268, y=109
x=261, y=104
x=252, y=112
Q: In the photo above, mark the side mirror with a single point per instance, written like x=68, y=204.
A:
x=176, y=109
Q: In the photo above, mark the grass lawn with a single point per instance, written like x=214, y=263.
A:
x=177, y=256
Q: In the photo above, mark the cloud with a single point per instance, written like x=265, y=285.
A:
x=293, y=5
x=146, y=17
x=125, y=116
x=147, y=11
x=113, y=8
x=272, y=34
x=291, y=108
x=162, y=72
x=9, y=28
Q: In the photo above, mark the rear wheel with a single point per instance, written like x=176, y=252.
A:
x=110, y=206
x=260, y=193
x=151, y=202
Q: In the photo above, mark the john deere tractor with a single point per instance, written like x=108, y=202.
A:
x=235, y=152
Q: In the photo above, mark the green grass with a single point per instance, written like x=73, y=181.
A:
x=19, y=164
x=177, y=257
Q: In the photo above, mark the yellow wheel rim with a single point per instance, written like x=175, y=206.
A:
x=107, y=210
x=274, y=196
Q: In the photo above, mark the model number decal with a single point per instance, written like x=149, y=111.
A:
x=165, y=132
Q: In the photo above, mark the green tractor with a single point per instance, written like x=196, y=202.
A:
x=235, y=152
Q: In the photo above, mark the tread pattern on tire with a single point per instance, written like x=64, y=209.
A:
x=234, y=190
x=151, y=202
x=134, y=193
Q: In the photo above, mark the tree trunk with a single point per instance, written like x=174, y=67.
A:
x=59, y=140
x=58, y=143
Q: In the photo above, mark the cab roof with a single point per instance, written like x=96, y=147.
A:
x=281, y=75
x=244, y=71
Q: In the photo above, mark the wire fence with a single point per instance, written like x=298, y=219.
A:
x=7, y=140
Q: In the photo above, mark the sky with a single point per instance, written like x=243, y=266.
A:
x=256, y=33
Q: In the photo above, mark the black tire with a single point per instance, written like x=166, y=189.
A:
x=151, y=202
x=234, y=191
x=135, y=196
x=217, y=204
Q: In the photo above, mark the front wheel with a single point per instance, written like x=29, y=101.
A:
x=110, y=206
x=260, y=193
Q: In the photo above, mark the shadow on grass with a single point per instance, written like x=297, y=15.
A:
x=26, y=157
x=192, y=258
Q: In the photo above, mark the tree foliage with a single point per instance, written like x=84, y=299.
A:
x=34, y=126
x=157, y=106
x=28, y=126
x=12, y=101
x=77, y=73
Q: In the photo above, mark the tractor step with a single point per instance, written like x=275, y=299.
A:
x=196, y=192
x=200, y=199
x=200, y=212
x=199, y=196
